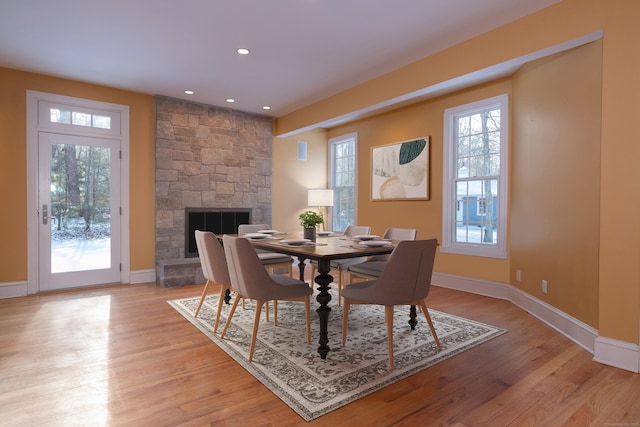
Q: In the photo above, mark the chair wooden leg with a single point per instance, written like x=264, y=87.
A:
x=275, y=312
x=340, y=282
x=233, y=310
x=254, y=334
x=313, y=274
x=423, y=305
x=388, y=314
x=204, y=294
x=307, y=310
x=345, y=315
x=223, y=290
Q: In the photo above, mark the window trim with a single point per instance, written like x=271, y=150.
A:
x=449, y=199
x=331, y=164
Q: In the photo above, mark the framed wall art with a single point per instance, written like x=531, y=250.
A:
x=400, y=171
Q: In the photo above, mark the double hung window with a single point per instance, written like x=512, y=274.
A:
x=342, y=179
x=475, y=178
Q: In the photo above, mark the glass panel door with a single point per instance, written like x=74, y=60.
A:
x=79, y=211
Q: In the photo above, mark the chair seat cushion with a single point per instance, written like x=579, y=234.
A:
x=360, y=292
x=368, y=269
x=268, y=258
x=292, y=288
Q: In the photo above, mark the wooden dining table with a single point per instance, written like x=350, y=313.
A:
x=323, y=251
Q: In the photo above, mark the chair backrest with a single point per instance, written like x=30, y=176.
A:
x=252, y=228
x=397, y=234
x=400, y=234
x=406, y=277
x=249, y=278
x=212, y=258
x=356, y=230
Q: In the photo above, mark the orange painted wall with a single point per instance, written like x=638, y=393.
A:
x=292, y=177
x=13, y=167
x=618, y=272
x=555, y=184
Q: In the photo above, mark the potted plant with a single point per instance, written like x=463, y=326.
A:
x=309, y=220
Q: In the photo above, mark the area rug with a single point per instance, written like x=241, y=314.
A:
x=311, y=386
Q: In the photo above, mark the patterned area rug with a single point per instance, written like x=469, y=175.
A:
x=312, y=387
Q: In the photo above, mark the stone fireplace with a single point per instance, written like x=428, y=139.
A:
x=206, y=157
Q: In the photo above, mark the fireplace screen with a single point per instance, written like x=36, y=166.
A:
x=218, y=221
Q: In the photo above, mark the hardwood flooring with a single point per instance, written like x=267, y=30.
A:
x=122, y=356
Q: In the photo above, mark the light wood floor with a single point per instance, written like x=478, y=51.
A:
x=122, y=356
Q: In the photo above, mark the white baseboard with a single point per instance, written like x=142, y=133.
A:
x=19, y=289
x=142, y=276
x=616, y=353
x=13, y=289
x=607, y=351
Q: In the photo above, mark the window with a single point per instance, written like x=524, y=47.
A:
x=342, y=178
x=475, y=178
x=71, y=118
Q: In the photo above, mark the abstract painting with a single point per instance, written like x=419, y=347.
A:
x=400, y=171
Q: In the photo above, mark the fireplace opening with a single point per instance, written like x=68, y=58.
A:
x=216, y=220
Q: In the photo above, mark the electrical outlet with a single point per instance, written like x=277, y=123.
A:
x=544, y=286
x=518, y=275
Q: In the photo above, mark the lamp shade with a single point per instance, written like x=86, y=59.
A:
x=320, y=197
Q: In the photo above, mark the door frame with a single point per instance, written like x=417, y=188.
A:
x=33, y=213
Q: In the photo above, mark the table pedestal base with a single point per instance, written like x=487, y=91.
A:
x=323, y=280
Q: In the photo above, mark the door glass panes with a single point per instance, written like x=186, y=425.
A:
x=63, y=116
x=102, y=122
x=81, y=119
x=80, y=214
x=58, y=115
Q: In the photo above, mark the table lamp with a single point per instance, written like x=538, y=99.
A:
x=320, y=197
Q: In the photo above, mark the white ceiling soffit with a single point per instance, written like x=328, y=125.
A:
x=477, y=77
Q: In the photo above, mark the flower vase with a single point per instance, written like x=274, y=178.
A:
x=309, y=233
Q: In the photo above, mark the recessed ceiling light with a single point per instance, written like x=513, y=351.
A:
x=189, y=92
x=230, y=100
x=266, y=107
x=242, y=51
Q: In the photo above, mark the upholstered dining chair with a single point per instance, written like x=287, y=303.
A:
x=405, y=280
x=342, y=264
x=271, y=260
x=250, y=280
x=372, y=267
x=214, y=268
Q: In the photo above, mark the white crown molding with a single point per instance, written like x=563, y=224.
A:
x=605, y=350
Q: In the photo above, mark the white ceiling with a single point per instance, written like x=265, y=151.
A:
x=301, y=50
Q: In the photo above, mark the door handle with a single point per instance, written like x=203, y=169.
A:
x=45, y=214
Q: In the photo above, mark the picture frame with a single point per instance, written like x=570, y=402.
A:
x=400, y=170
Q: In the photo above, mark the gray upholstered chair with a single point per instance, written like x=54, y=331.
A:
x=214, y=268
x=271, y=260
x=372, y=267
x=250, y=280
x=342, y=264
x=405, y=280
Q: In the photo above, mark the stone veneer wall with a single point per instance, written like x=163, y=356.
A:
x=208, y=156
